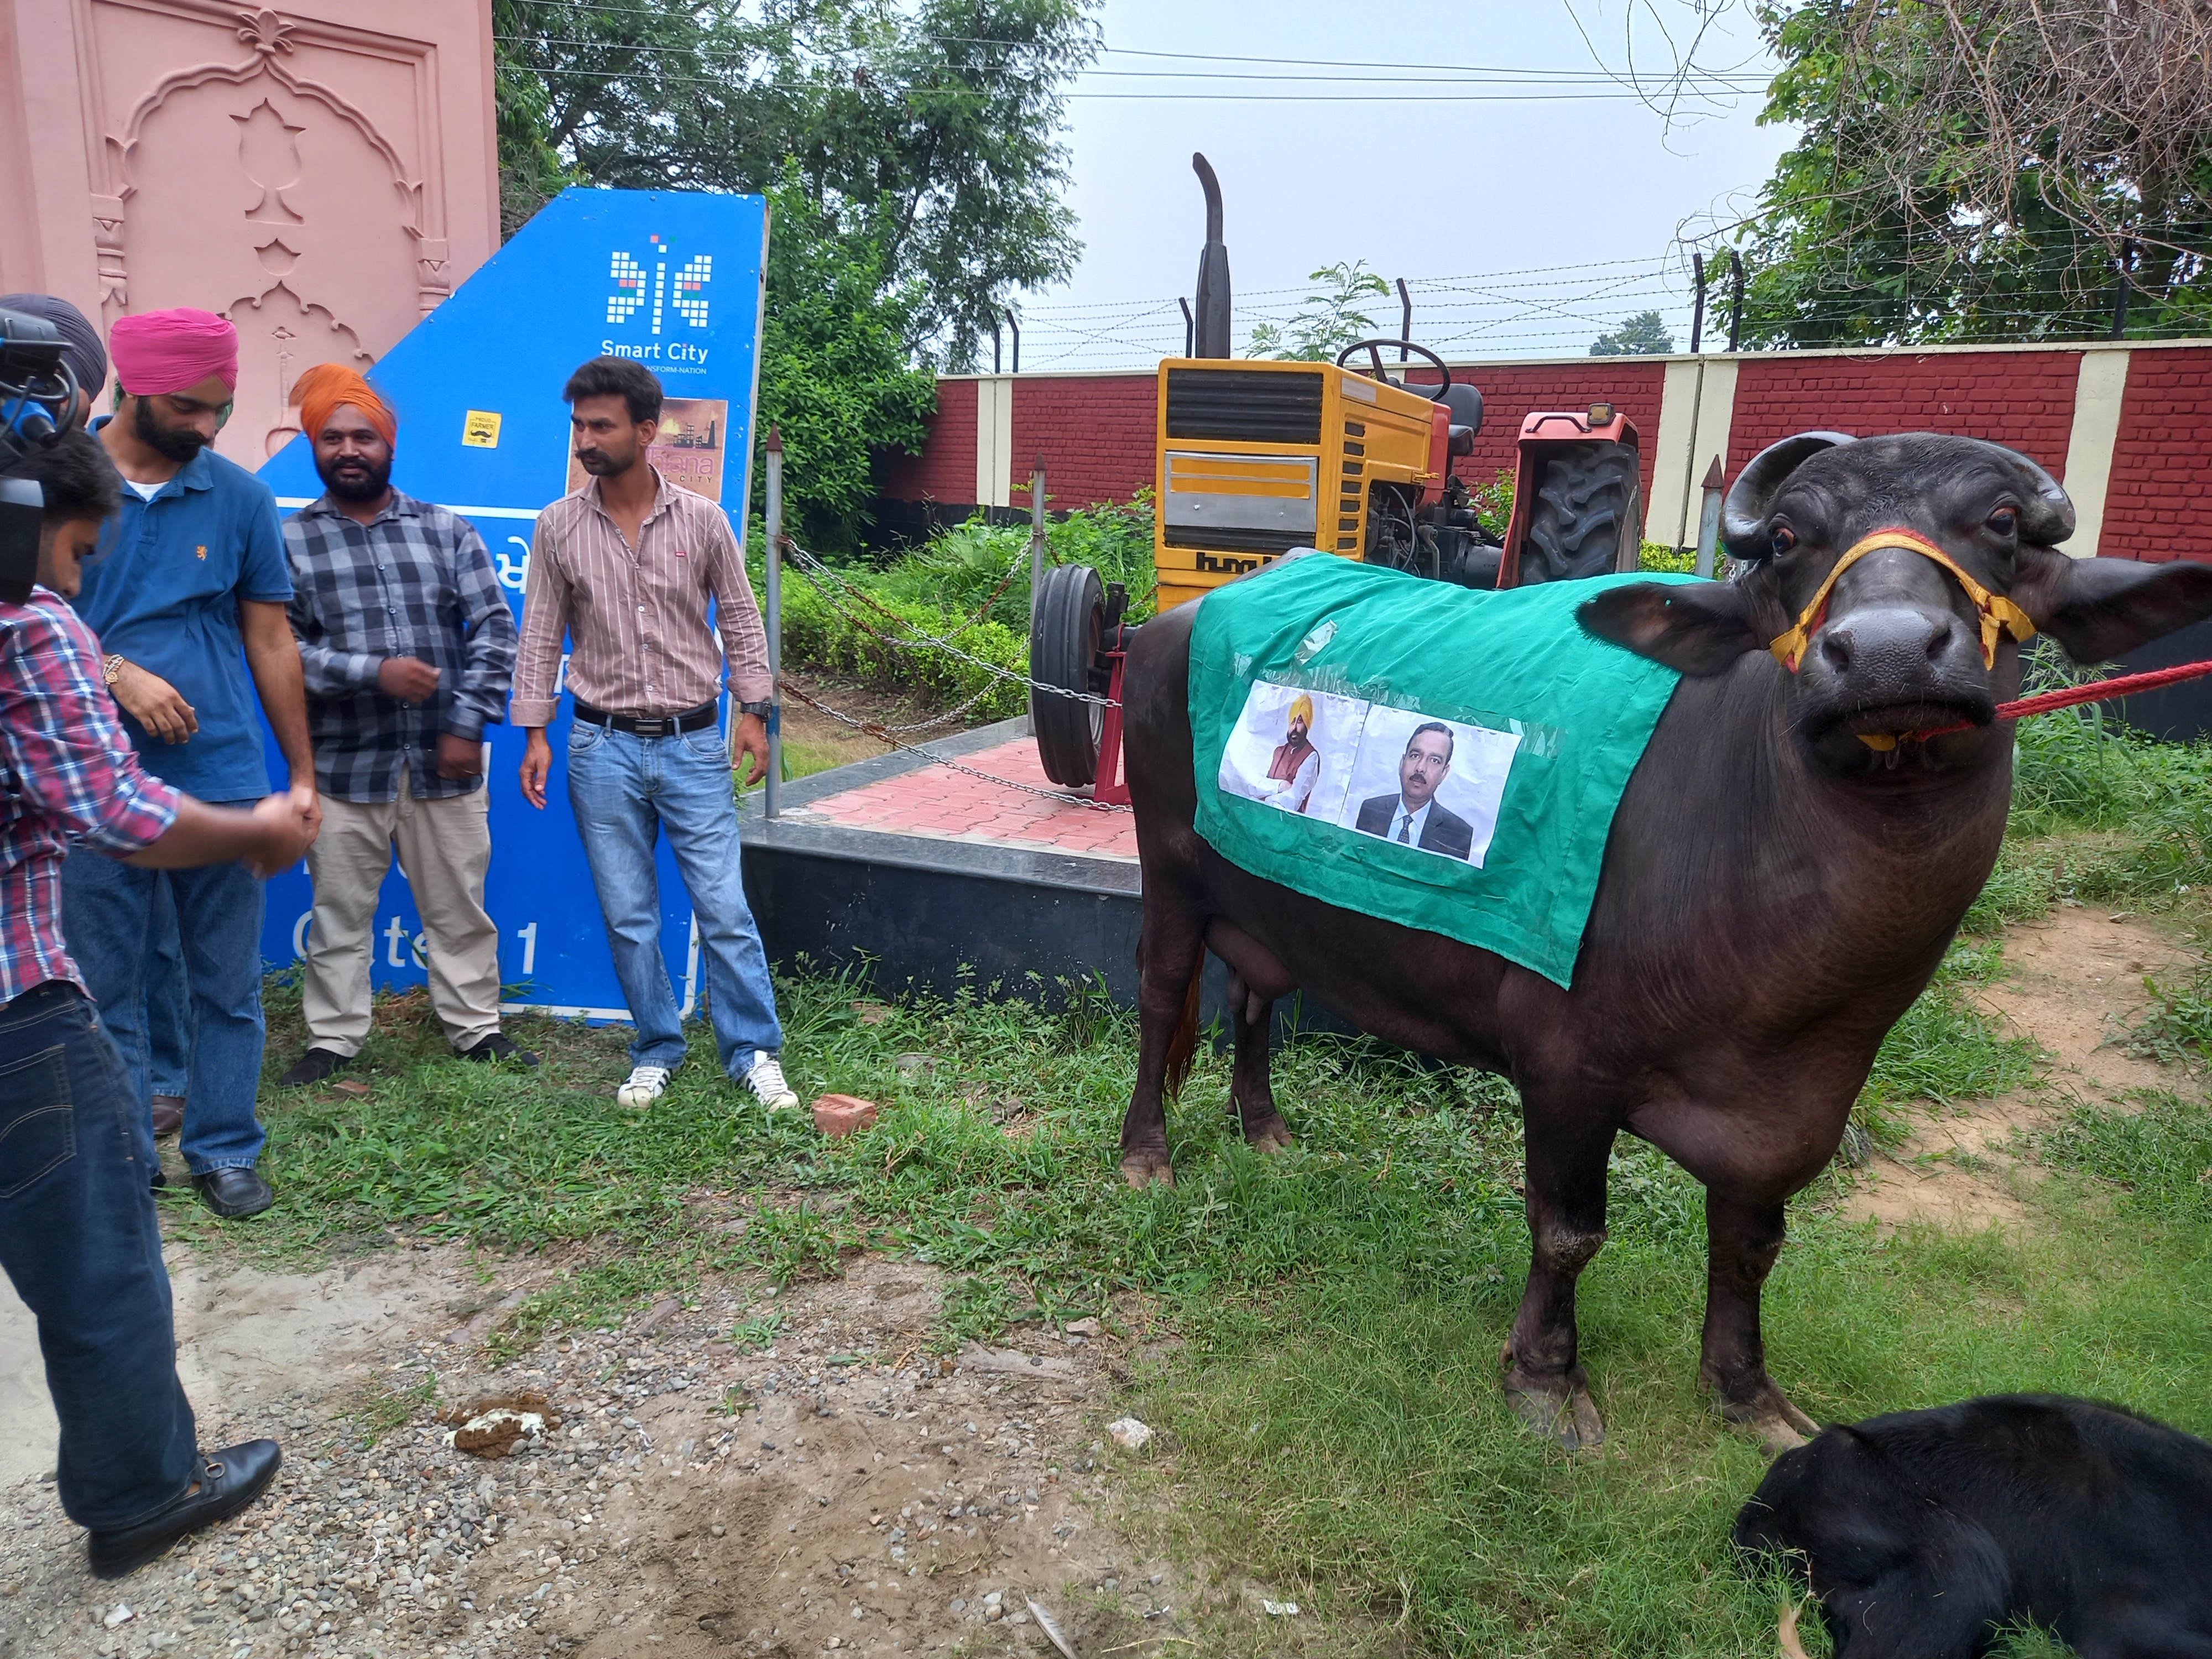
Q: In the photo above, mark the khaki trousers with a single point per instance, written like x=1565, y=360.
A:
x=445, y=847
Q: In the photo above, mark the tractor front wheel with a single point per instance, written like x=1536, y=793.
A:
x=1071, y=616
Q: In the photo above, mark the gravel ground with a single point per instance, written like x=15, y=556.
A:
x=841, y=1490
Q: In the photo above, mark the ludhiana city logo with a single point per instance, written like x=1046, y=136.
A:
x=640, y=282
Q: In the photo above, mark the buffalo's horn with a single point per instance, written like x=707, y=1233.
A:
x=1743, y=514
x=2049, y=519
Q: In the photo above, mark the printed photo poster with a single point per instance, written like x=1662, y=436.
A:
x=1395, y=773
x=688, y=450
x=1431, y=784
x=1293, y=749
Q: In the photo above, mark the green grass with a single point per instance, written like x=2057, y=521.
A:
x=1330, y=1418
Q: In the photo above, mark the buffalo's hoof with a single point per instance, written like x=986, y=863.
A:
x=1559, y=1409
x=1770, y=1418
x=1143, y=1167
x=1270, y=1135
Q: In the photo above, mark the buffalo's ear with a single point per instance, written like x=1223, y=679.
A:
x=2100, y=609
x=1693, y=628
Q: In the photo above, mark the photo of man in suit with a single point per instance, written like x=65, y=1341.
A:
x=1413, y=815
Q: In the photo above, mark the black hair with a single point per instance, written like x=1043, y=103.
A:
x=617, y=377
x=1450, y=743
x=76, y=476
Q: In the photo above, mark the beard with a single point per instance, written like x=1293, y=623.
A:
x=355, y=479
x=178, y=443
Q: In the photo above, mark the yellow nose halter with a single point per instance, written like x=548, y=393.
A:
x=1997, y=612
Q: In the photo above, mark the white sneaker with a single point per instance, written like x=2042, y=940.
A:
x=644, y=1086
x=766, y=1080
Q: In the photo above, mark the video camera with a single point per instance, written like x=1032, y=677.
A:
x=38, y=404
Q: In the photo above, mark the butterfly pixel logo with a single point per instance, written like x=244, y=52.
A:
x=635, y=286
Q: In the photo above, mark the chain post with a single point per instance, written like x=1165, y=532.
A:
x=1037, y=568
x=774, y=602
x=1708, y=518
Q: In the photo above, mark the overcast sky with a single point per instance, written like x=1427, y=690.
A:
x=1525, y=225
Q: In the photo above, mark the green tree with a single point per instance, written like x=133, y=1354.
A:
x=929, y=129
x=836, y=375
x=1328, y=320
x=1643, y=334
x=1977, y=170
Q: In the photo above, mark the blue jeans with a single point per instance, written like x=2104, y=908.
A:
x=624, y=791
x=107, y=910
x=81, y=1244
x=168, y=1003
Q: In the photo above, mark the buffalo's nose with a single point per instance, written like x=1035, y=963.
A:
x=1889, y=642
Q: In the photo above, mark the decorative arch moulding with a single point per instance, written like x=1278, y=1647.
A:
x=270, y=36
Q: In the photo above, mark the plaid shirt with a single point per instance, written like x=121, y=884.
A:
x=68, y=777
x=418, y=582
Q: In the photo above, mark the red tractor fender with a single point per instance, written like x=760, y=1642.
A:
x=1544, y=431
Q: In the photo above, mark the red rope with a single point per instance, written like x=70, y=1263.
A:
x=2072, y=695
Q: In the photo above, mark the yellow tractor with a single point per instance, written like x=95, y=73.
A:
x=1256, y=458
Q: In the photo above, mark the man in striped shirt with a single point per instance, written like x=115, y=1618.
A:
x=625, y=569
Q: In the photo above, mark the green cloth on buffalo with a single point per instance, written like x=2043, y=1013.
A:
x=1490, y=826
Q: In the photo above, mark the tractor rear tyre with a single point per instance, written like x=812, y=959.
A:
x=1587, y=517
x=1071, y=615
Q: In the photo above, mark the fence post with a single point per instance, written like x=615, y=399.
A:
x=1698, y=310
x=1736, y=299
x=1036, y=568
x=774, y=602
x=1709, y=520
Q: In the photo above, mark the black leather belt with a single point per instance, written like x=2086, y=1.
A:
x=663, y=726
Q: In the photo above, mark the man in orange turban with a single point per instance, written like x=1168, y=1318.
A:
x=407, y=642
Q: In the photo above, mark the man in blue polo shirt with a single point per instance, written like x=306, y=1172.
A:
x=187, y=598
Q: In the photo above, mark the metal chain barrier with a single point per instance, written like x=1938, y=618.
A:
x=820, y=573
x=885, y=734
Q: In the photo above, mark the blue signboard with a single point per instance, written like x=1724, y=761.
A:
x=673, y=280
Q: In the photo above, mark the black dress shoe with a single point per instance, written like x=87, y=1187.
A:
x=229, y=1482
x=312, y=1067
x=168, y=1115
x=232, y=1193
x=499, y=1046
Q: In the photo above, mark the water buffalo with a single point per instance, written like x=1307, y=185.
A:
x=1783, y=875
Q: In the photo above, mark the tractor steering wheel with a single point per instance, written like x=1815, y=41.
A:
x=1374, y=350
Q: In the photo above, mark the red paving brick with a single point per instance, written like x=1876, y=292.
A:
x=939, y=801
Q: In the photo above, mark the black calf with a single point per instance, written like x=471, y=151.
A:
x=1923, y=1533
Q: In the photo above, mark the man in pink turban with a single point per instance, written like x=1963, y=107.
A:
x=188, y=600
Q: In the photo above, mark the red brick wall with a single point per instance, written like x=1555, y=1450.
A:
x=946, y=469
x=2159, y=504
x=1096, y=434
x=2024, y=400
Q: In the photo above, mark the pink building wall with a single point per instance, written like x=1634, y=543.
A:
x=323, y=176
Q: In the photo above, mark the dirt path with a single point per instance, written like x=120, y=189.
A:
x=2074, y=983
x=839, y=1490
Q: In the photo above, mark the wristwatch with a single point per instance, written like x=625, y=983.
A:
x=110, y=667
x=763, y=709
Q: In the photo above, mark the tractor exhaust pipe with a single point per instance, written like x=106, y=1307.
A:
x=1213, y=314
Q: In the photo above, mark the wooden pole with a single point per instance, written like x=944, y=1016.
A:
x=773, y=617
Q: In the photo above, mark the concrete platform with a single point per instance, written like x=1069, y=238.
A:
x=936, y=879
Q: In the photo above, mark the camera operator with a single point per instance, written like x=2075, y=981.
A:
x=78, y=1235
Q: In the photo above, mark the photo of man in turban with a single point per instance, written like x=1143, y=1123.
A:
x=1296, y=762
